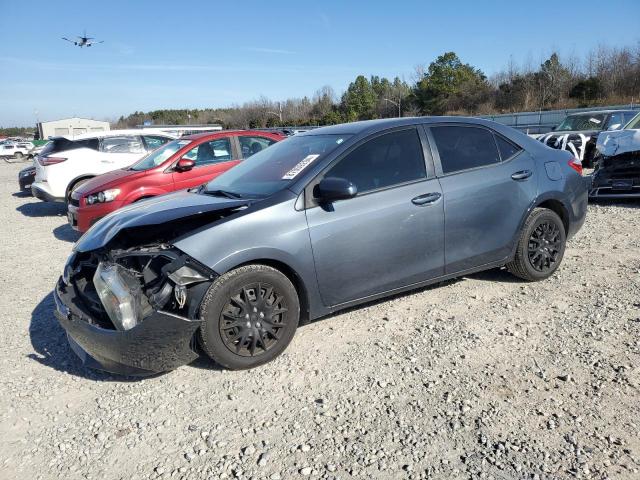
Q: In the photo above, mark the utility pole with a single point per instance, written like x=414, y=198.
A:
x=278, y=113
x=397, y=104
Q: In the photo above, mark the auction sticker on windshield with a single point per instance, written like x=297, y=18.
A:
x=299, y=167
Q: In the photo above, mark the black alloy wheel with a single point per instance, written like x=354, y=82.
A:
x=249, y=316
x=545, y=246
x=540, y=246
x=253, y=320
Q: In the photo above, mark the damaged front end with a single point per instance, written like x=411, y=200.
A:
x=616, y=176
x=133, y=310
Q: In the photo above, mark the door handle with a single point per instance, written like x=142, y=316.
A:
x=426, y=199
x=522, y=175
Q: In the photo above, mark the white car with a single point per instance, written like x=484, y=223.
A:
x=66, y=162
x=16, y=150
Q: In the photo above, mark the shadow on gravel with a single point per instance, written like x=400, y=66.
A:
x=42, y=209
x=49, y=341
x=66, y=233
x=21, y=194
x=621, y=202
x=496, y=275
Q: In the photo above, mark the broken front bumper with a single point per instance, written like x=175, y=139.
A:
x=161, y=342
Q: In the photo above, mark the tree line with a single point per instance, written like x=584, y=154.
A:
x=447, y=85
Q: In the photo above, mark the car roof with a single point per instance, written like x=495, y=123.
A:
x=591, y=112
x=372, y=126
x=224, y=133
x=108, y=133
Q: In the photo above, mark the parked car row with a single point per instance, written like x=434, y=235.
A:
x=283, y=231
x=578, y=132
x=609, y=142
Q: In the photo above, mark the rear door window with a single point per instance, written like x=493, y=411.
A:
x=464, y=148
x=153, y=141
x=123, y=144
x=252, y=145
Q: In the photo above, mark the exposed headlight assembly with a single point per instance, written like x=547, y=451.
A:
x=119, y=292
x=103, y=197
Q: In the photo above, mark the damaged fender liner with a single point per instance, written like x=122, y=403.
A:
x=162, y=342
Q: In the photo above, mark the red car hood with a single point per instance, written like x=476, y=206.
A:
x=108, y=180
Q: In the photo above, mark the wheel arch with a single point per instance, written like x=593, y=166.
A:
x=558, y=207
x=73, y=182
x=292, y=275
x=549, y=201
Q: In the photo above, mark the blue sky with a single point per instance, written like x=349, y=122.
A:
x=194, y=54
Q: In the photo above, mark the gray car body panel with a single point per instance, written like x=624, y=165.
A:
x=378, y=243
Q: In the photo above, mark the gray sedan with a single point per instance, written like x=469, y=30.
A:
x=324, y=220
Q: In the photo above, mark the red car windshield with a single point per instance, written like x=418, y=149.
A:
x=157, y=157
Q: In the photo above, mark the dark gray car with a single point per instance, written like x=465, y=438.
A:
x=324, y=220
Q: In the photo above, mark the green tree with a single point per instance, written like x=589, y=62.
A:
x=587, y=90
x=450, y=85
x=359, y=101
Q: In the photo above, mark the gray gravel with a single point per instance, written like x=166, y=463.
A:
x=483, y=377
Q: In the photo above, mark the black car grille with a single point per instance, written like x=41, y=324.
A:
x=74, y=201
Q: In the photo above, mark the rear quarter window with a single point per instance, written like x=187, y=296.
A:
x=63, y=144
x=507, y=149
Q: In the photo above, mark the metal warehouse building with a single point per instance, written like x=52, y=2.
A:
x=70, y=127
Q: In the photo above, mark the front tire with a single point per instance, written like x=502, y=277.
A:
x=250, y=316
x=18, y=155
x=541, y=246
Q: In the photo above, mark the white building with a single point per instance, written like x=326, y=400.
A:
x=70, y=127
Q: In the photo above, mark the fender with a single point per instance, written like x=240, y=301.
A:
x=138, y=193
x=305, y=275
x=539, y=200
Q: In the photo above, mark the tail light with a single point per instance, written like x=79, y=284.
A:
x=46, y=161
x=576, y=165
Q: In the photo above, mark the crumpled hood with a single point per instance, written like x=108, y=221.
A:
x=154, y=211
x=618, y=141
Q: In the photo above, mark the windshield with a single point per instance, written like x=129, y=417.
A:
x=158, y=156
x=574, y=123
x=274, y=168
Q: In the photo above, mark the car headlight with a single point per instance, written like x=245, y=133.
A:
x=103, y=197
x=114, y=290
x=68, y=269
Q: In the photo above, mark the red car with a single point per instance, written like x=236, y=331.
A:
x=184, y=163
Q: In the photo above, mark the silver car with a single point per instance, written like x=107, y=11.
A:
x=325, y=220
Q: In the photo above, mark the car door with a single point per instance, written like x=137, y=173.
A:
x=120, y=151
x=392, y=233
x=488, y=183
x=211, y=157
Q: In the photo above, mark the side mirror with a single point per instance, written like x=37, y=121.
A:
x=331, y=189
x=185, y=164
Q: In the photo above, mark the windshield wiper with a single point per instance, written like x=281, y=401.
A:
x=222, y=193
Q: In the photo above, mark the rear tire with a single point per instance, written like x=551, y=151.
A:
x=541, y=246
x=250, y=316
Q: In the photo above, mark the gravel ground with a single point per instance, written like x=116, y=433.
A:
x=483, y=377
